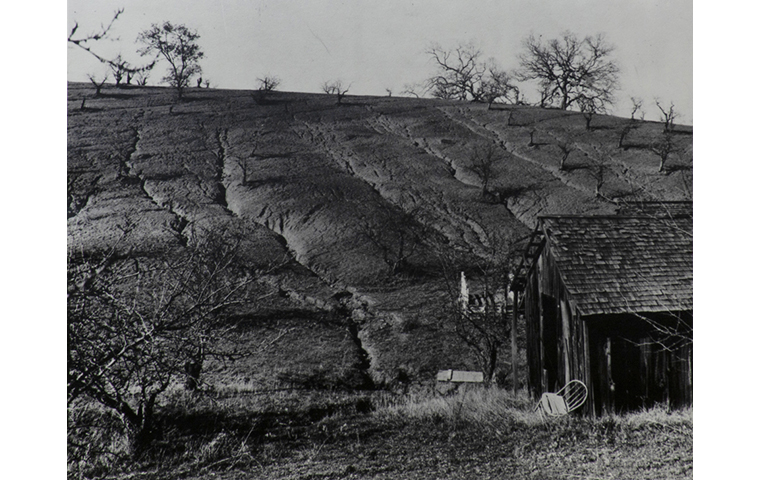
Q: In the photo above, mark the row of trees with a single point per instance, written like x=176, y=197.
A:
x=570, y=72
x=176, y=44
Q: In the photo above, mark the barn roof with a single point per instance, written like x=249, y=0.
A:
x=618, y=264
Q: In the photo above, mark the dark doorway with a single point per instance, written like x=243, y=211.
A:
x=550, y=342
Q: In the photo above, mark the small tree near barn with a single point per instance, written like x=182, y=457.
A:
x=482, y=314
x=136, y=325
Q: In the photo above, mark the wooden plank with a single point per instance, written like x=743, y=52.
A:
x=514, y=341
x=460, y=376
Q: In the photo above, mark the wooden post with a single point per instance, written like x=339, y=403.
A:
x=515, y=303
x=610, y=382
x=565, y=311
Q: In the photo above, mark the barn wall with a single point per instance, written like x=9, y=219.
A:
x=557, y=341
x=533, y=334
x=619, y=357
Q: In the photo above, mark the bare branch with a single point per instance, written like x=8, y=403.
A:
x=269, y=83
x=668, y=116
x=569, y=69
x=177, y=44
x=335, y=87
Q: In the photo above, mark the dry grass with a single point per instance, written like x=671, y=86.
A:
x=483, y=433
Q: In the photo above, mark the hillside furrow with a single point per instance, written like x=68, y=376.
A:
x=408, y=191
x=528, y=203
x=178, y=224
x=514, y=150
x=454, y=214
x=382, y=123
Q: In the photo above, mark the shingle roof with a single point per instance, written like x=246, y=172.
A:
x=617, y=264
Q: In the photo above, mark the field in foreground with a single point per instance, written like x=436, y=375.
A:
x=420, y=435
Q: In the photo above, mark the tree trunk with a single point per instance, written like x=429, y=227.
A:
x=564, y=104
x=193, y=375
x=490, y=365
x=140, y=429
x=599, y=181
x=193, y=369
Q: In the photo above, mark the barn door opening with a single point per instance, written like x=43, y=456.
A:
x=551, y=345
x=628, y=374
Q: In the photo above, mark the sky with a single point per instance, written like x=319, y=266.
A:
x=379, y=45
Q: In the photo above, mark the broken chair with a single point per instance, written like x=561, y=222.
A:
x=567, y=399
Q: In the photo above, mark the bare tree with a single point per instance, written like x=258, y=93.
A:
x=268, y=83
x=668, y=116
x=480, y=308
x=624, y=130
x=335, y=87
x=637, y=106
x=664, y=146
x=415, y=89
x=98, y=84
x=137, y=324
x=85, y=41
x=178, y=45
x=565, y=141
x=601, y=156
x=497, y=87
x=397, y=234
x=589, y=107
x=122, y=70
x=461, y=75
x=483, y=163
x=142, y=78
x=569, y=69
x=459, y=72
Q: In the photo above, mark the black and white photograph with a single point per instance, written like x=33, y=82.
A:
x=339, y=239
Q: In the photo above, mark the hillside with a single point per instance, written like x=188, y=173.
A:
x=324, y=195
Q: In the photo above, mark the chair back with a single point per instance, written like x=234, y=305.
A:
x=574, y=393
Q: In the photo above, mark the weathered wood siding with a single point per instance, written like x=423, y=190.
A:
x=621, y=358
x=556, y=339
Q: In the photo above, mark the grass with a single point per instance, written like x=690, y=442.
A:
x=485, y=433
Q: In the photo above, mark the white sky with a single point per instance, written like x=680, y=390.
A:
x=374, y=45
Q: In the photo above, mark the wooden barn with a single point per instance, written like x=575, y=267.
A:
x=608, y=300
